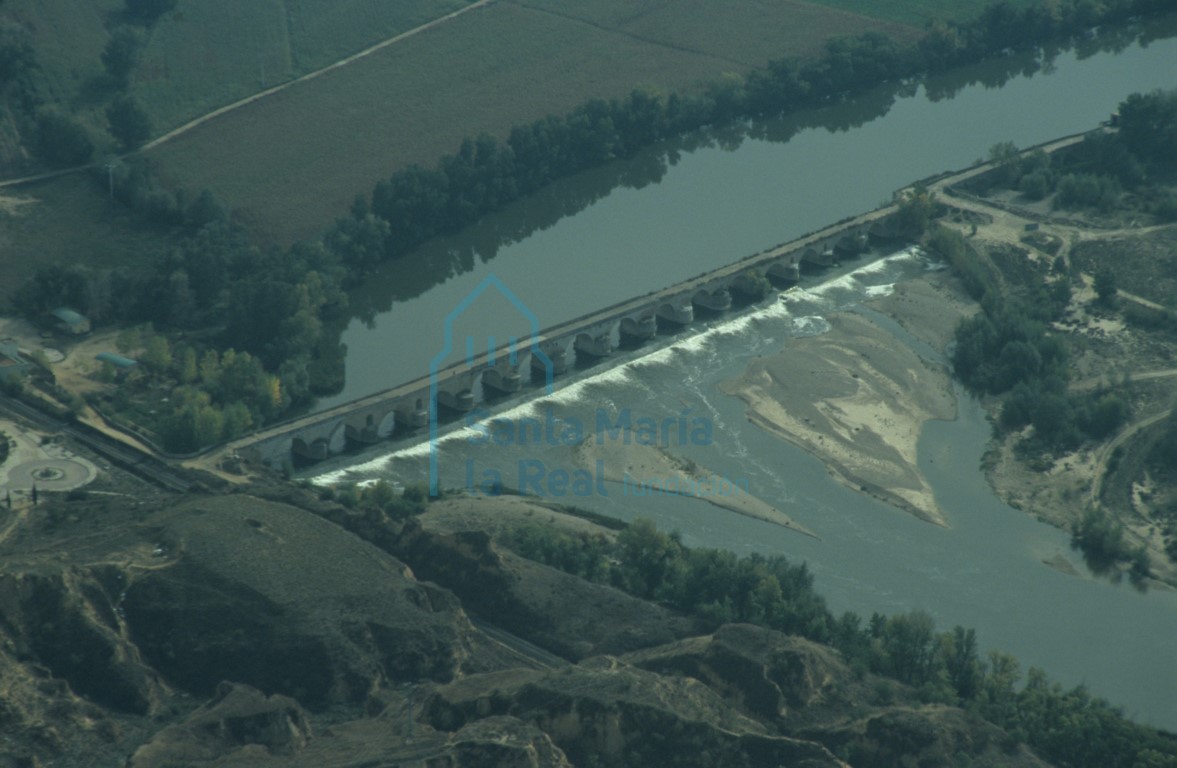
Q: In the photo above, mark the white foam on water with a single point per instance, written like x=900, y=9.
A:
x=878, y=265
x=847, y=282
x=810, y=325
x=798, y=294
x=693, y=345
x=704, y=340
x=575, y=391
x=339, y=475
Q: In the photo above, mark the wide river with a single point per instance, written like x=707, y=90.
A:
x=681, y=210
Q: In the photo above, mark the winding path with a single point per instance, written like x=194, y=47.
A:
x=1105, y=453
x=1095, y=382
x=186, y=127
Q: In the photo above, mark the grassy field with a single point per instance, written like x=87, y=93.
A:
x=209, y=54
x=749, y=32
x=68, y=36
x=291, y=163
x=68, y=221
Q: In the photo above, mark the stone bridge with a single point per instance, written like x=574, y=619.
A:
x=581, y=342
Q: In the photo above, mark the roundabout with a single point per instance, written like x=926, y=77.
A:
x=50, y=475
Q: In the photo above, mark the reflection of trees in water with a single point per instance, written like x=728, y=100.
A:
x=446, y=257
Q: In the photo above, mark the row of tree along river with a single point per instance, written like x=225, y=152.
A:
x=676, y=211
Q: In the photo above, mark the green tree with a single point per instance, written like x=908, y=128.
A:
x=16, y=52
x=1148, y=125
x=210, y=369
x=1005, y=157
x=997, y=700
x=157, y=354
x=129, y=339
x=1163, y=455
x=908, y=645
x=645, y=553
x=1035, y=186
x=148, y=12
x=207, y=425
x=916, y=211
x=1101, y=541
x=962, y=663
x=186, y=369
x=121, y=54
x=204, y=210
x=238, y=419
x=62, y=141
x=1105, y=286
x=128, y=123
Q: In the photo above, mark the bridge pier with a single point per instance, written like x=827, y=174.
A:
x=785, y=271
x=556, y=350
x=852, y=244
x=502, y=378
x=677, y=311
x=714, y=300
x=456, y=392
x=411, y=414
x=371, y=427
x=407, y=408
x=640, y=327
x=321, y=441
x=821, y=255
x=594, y=344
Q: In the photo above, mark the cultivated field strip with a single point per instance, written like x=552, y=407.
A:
x=292, y=162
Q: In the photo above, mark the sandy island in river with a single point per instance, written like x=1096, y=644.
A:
x=857, y=397
x=648, y=470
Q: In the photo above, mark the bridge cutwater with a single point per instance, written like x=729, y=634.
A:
x=584, y=341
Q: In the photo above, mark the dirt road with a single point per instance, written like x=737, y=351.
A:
x=191, y=124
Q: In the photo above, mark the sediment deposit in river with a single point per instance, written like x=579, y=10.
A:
x=857, y=397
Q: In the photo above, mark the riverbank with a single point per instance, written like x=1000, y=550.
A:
x=857, y=397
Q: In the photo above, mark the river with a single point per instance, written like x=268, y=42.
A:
x=735, y=194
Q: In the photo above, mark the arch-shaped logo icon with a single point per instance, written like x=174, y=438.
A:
x=513, y=347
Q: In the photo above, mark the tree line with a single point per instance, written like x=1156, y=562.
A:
x=1009, y=350
x=485, y=174
x=55, y=134
x=1094, y=175
x=259, y=313
x=224, y=293
x=1068, y=727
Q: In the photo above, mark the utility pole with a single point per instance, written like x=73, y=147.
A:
x=409, y=713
